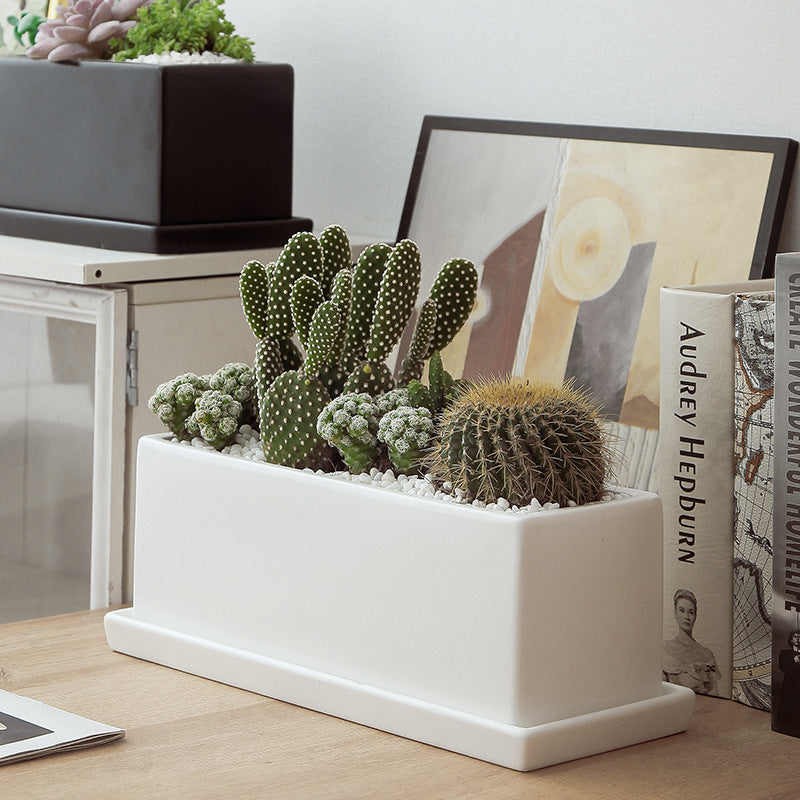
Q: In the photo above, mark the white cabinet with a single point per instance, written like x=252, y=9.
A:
x=86, y=335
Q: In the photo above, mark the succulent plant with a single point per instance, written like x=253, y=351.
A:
x=347, y=321
x=441, y=317
x=441, y=391
x=521, y=441
x=407, y=433
x=216, y=418
x=350, y=423
x=84, y=29
x=292, y=403
x=394, y=304
x=187, y=26
x=239, y=381
x=174, y=401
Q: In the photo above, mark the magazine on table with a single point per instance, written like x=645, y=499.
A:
x=29, y=729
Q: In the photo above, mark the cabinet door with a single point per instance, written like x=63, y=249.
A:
x=62, y=438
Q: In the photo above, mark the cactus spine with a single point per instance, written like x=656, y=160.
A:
x=522, y=441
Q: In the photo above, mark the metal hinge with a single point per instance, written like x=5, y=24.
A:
x=132, y=370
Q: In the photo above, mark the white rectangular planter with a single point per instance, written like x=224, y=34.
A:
x=522, y=639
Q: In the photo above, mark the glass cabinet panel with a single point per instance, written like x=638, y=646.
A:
x=57, y=447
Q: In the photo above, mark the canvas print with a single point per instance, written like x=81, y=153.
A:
x=574, y=230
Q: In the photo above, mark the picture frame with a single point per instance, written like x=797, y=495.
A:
x=574, y=229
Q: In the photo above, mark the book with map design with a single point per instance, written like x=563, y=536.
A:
x=697, y=484
x=786, y=517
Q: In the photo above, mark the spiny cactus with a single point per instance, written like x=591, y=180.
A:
x=239, y=381
x=393, y=306
x=84, y=28
x=407, y=433
x=367, y=276
x=442, y=390
x=347, y=320
x=522, y=441
x=350, y=424
x=293, y=402
x=216, y=418
x=453, y=298
x=414, y=363
x=173, y=401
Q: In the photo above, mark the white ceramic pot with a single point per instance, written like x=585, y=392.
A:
x=523, y=639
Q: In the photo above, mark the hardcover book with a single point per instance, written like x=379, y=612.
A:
x=696, y=482
x=786, y=518
x=753, y=406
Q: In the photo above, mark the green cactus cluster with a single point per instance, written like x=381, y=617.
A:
x=211, y=407
x=406, y=432
x=521, y=441
x=323, y=396
x=347, y=319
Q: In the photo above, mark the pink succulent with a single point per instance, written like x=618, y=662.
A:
x=83, y=29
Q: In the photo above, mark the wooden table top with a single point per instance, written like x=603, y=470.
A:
x=188, y=737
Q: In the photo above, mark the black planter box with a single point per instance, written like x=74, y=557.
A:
x=163, y=159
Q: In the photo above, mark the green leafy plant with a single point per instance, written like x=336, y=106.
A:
x=189, y=26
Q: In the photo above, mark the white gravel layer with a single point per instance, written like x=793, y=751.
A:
x=176, y=57
x=248, y=447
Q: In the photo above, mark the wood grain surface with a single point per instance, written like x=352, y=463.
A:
x=188, y=737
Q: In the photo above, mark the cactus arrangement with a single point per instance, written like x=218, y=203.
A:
x=324, y=398
x=347, y=320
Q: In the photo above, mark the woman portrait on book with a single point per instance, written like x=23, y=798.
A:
x=787, y=713
x=686, y=661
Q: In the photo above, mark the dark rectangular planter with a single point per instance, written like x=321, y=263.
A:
x=164, y=159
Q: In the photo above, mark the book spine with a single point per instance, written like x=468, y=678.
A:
x=695, y=481
x=754, y=327
x=786, y=489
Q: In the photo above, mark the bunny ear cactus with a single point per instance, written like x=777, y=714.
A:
x=414, y=362
x=336, y=255
x=367, y=276
x=393, y=306
x=293, y=402
x=453, y=296
x=333, y=373
x=522, y=441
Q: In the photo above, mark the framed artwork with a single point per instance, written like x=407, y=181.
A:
x=574, y=229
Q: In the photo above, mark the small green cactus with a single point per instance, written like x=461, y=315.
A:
x=522, y=441
x=367, y=276
x=239, y=381
x=414, y=363
x=393, y=307
x=350, y=424
x=215, y=418
x=174, y=400
x=336, y=255
x=406, y=432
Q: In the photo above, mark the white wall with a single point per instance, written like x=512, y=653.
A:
x=367, y=71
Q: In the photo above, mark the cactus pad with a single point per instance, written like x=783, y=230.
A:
x=254, y=291
x=454, y=291
x=289, y=413
x=396, y=299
